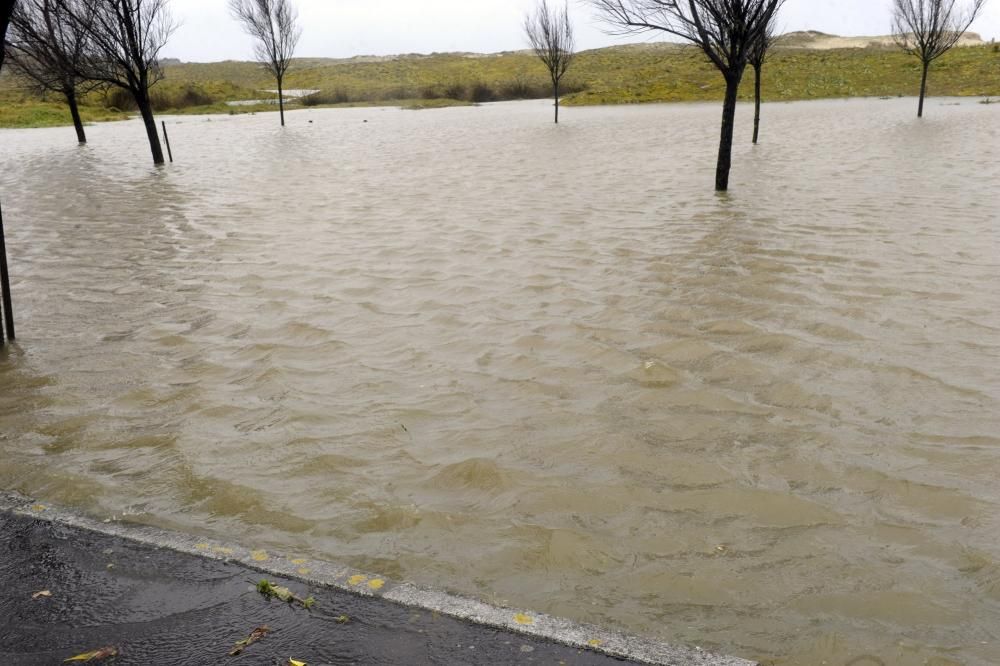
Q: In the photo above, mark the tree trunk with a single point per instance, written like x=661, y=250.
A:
x=6, y=9
x=728, y=125
x=281, y=103
x=923, y=90
x=555, y=94
x=8, y=307
x=756, y=103
x=81, y=136
x=146, y=110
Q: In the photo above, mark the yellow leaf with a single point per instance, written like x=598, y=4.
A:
x=259, y=555
x=521, y=618
x=593, y=642
x=299, y=560
x=96, y=655
x=376, y=583
x=294, y=662
x=357, y=579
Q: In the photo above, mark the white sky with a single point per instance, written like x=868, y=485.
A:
x=344, y=28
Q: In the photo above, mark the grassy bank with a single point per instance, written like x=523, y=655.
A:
x=617, y=75
x=21, y=114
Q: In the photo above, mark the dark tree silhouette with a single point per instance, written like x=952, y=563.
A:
x=725, y=30
x=758, y=56
x=928, y=29
x=274, y=26
x=6, y=9
x=126, y=37
x=49, y=49
x=550, y=34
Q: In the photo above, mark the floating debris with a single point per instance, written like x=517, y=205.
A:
x=255, y=635
x=270, y=590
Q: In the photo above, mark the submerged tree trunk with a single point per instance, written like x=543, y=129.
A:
x=555, y=94
x=923, y=90
x=146, y=110
x=728, y=125
x=281, y=103
x=74, y=110
x=756, y=103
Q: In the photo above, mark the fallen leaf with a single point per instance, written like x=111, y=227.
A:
x=43, y=593
x=254, y=636
x=269, y=589
x=343, y=619
x=295, y=662
x=96, y=655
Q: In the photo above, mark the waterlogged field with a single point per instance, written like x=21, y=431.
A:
x=543, y=366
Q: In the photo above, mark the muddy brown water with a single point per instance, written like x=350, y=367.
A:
x=542, y=366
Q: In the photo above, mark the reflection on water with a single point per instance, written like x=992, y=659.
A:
x=540, y=365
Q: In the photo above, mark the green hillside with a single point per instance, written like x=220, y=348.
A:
x=616, y=75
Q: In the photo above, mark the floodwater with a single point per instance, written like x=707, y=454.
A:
x=543, y=366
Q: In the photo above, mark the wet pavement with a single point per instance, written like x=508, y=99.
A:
x=158, y=606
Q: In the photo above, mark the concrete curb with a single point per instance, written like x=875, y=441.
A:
x=326, y=574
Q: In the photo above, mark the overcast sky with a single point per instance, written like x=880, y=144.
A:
x=344, y=28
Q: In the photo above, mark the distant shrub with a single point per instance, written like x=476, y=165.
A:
x=338, y=96
x=397, y=92
x=455, y=91
x=481, y=92
x=431, y=92
x=520, y=89
x=116, y=98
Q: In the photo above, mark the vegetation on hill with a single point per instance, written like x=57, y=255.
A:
x=617, y=75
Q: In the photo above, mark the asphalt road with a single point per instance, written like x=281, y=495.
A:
x=157, y=606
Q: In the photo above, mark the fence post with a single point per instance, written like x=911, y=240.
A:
x=167, y=139
x=5, y=297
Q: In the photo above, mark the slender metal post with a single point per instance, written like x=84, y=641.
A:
x=166, y=138
x=8, y=307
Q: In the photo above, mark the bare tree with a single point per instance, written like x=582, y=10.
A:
x=126, y=37
x=6, y=9
x=725, y=30
x=928, y=29
x=48, y=48
x=758, y=56
x=550, y=34
x=274, y=25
